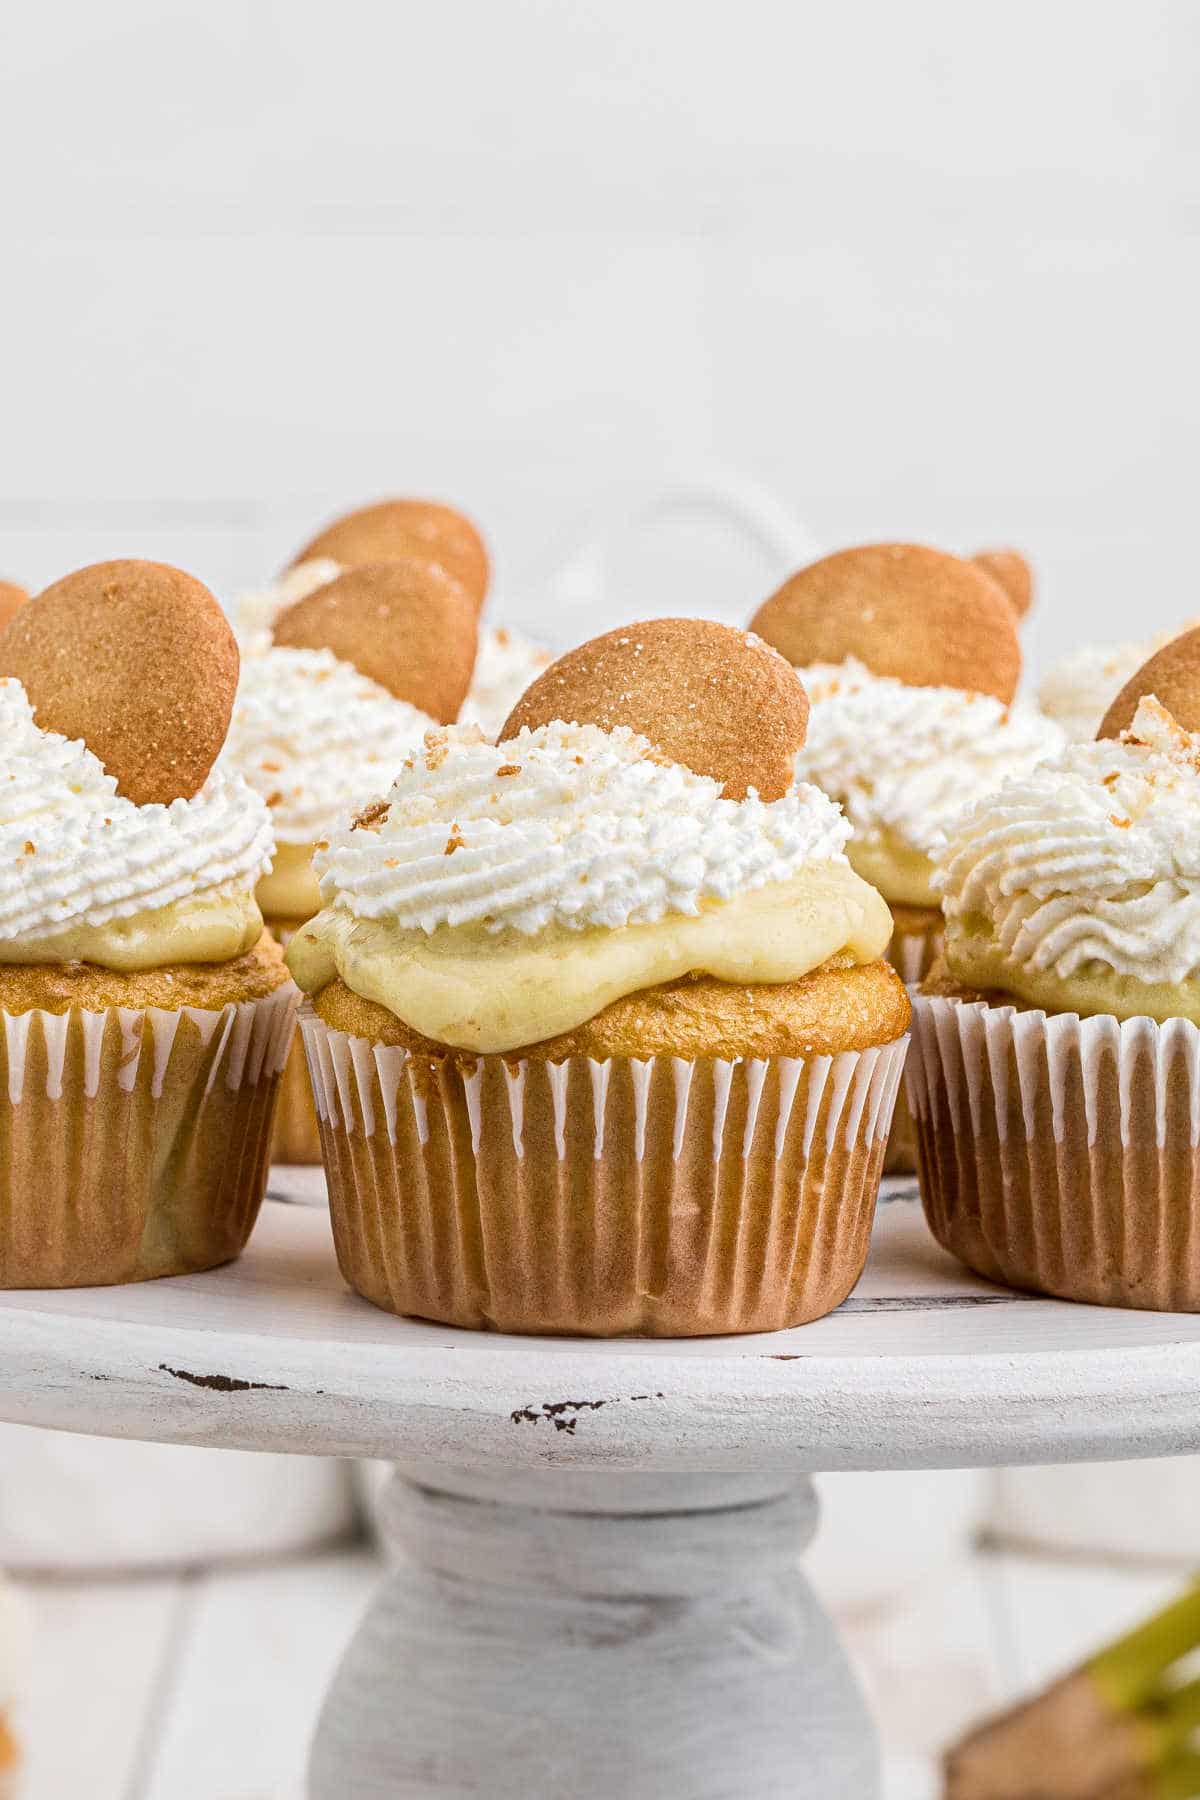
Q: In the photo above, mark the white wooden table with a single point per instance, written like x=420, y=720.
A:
x=599, y=1592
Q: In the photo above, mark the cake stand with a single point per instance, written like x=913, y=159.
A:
x=598, y=1592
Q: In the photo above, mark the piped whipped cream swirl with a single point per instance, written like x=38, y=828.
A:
x=316, y=739
x=1092, y=859
x=74, y=852
x=568, y=825
x=903, y=760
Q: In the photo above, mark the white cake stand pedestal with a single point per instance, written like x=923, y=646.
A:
x=598, y=1592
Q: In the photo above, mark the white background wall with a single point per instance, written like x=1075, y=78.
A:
x=926, y=269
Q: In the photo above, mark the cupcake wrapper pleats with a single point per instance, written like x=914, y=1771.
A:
x=1062, y=1154
x=663, y=1197
x=134, y=1143
x=912, y=954
x=296, y=1138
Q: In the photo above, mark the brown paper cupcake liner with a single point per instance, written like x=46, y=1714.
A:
x=912, y=954
x=1061, y=1154
x=296, y=1138
x=134, y=1143
x=663, y=1197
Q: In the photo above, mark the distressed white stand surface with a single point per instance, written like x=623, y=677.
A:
x=598, y=1591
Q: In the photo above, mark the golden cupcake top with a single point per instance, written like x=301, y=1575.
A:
x=717, y=700
x=398, y=530
x=138, y=660
x=841, y=1005
x=63, y=987
x=407, y=626
x=905, y=611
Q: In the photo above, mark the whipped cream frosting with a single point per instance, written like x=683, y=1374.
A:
x=567, y=825
x=506, y=664
x=1078, y=691
x=315, y=739
x=74, y=853
x=903, y=760
x=1092, y=859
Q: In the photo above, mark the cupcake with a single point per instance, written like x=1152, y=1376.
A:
x=1055, y=1049
x=911, y=660
x=145, y=1014
x=317, y=737
x=599, y=1031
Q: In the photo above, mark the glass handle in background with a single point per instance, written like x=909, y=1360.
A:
x=576, y=598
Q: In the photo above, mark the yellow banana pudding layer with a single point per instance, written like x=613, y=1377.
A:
x=502, y=895
x=898, y=870
x=289, y=889
x=495, y=991
x=200, y=929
